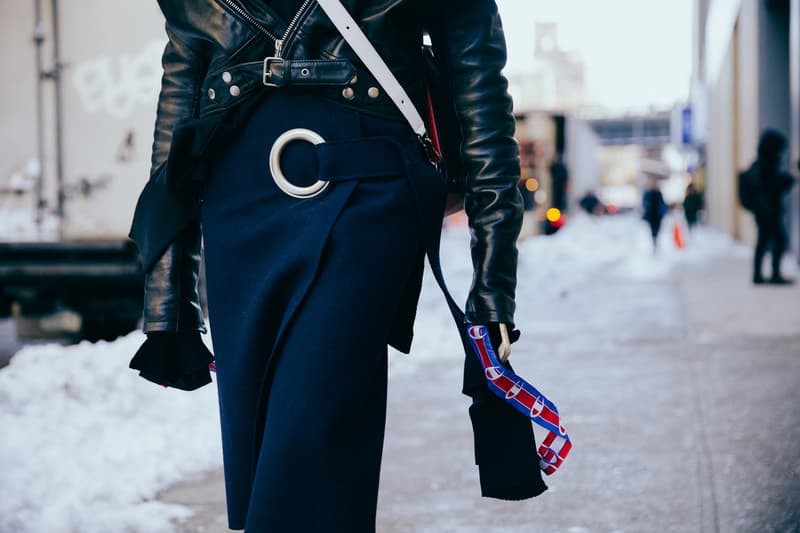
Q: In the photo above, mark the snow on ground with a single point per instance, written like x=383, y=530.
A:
x=87, y=444
x=554, y=266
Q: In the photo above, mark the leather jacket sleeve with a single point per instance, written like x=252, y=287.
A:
x=171, y=299
x=467, y=37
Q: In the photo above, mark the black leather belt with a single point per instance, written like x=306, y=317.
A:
x=279, y=72
x=338, y=80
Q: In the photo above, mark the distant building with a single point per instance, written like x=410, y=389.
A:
x=746, y=78
x=555, y=80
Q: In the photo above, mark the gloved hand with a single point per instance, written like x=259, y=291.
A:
x=505, y=446
x=502, y=338
x=174, y=359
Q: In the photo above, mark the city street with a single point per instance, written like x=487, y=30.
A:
x=677, y=379
x=134, y=153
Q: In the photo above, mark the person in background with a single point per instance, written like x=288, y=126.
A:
x=560, y=176
x=654, y=209
x=767, y=186
x=529, y=210
x=592, y=204
x=692, y=204
x=528, y=203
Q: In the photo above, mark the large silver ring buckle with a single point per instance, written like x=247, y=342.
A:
x=296, y=134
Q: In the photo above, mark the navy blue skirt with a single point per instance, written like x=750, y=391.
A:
x=304, y=295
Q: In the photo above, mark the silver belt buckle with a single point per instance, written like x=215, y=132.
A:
x=296, y=134
x=267, y=74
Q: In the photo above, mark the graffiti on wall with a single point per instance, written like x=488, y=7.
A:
x=116, y=85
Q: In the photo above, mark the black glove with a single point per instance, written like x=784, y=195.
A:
x=174, y=359
x=494, y=334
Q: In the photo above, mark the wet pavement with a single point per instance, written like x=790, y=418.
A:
x=683, y=405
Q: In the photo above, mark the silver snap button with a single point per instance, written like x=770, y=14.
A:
x=373, y=92
x=354, y=80
x=212, y=93
x=226, y=77
x=348, y=93
x=235, y=91
x=305, y=72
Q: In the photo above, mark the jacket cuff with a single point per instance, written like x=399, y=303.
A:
x=178, y=360
x=189, y=319
x=485, y=308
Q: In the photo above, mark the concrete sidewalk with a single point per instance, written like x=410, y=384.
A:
x=685, y=416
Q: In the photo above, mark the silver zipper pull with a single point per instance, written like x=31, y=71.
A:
x=278, y=47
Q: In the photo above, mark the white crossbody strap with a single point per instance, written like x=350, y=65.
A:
x=377, y=67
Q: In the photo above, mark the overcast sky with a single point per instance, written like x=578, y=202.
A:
x=636, y=52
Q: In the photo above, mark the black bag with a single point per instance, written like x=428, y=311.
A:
x=749, y=190
x=444, y=130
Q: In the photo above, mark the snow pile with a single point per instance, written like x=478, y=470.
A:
x=551, y=267
x=86, y=442
x=621, y=245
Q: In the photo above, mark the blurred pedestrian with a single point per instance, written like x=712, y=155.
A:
x=692, y=204
x=654, y=209
x=529, y=221
x=560, y=178
x=528, y=202
x=592, y=204
x=761, y=191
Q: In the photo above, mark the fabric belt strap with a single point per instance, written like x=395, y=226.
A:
x=339, y=161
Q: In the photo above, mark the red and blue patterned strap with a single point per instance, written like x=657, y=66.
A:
x=523, y=397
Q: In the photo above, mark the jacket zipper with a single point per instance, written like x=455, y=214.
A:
x=290, y=28
x=249, y=18
x=286, y=34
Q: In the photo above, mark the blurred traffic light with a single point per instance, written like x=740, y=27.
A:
x=554, y=220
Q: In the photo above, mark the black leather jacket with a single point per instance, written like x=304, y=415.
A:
x=213, y=64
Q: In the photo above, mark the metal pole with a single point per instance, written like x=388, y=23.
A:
x=38, y=39
x=59, y=156
x=794, y=96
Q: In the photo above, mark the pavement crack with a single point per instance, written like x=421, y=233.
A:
x=706, y=464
